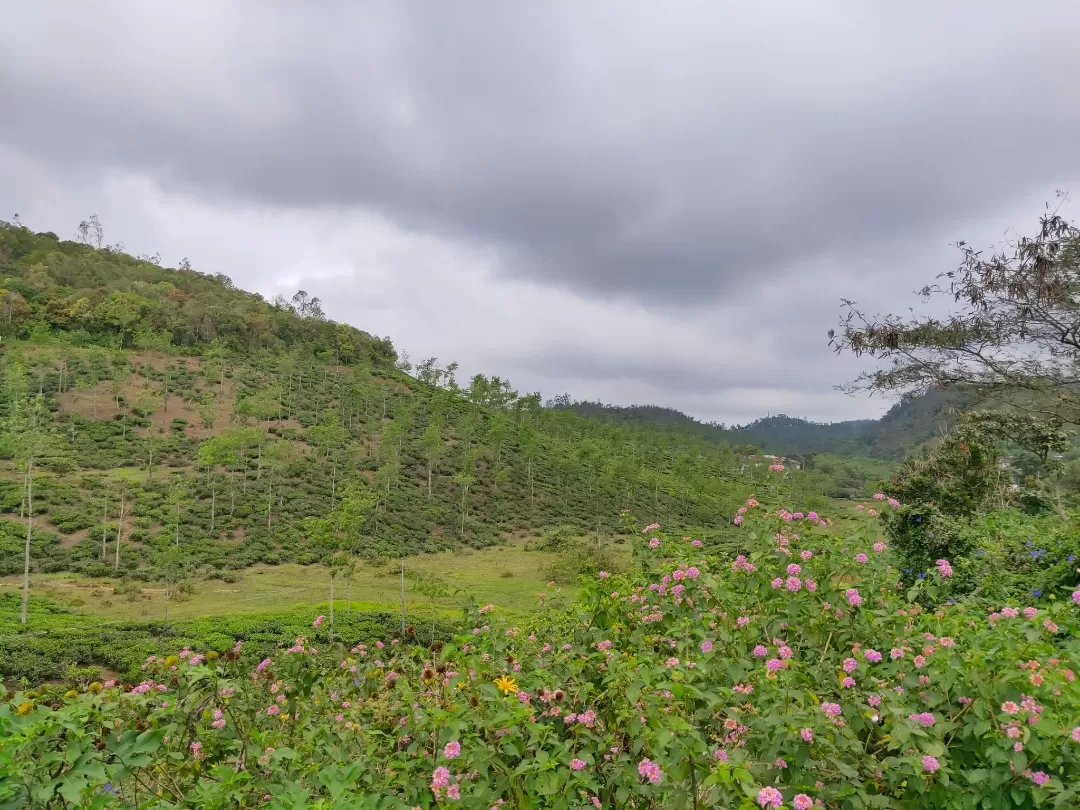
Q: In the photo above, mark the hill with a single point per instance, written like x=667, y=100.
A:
x=184, y=426
x=905, y=428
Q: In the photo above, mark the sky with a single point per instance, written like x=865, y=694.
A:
x=627, y=201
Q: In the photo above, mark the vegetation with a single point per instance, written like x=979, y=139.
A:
x=793, y=674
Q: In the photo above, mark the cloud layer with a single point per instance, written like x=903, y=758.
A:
x=619, y=200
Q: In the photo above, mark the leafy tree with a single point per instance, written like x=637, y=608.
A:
x=1014, y=336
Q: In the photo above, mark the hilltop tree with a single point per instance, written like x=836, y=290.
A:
x=1014, y=337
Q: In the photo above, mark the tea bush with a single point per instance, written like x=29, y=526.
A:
x=796, y=674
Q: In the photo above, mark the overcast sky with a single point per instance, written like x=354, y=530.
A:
x=637, y=202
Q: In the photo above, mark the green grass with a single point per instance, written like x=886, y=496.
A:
x=509, y=577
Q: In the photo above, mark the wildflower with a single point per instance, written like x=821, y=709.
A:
x=773, y=664
x=895, y=653
x=1040, y=778
x=603, y=575
x=811, y=585
x=873, y=656
x=853, y=597
x=319, y=620
x=693, y=572
x=861, y=558
x=802, y=802
x=847, y=683
x=806, y=555
x=453, y=792
x=778, y=582
x=807, y=735
x=696, y=543
x=742, y=621
x=785, y=651
x=874, y=700
x=780, y=763
x=879, y=547
x=650, y=770
x=452, y=750
x=770, y=797
x=793, y=584
x=720, y=755
x=706, y=646
x=1029, y=613
x=1076, y=734
x=831, y=709
x=654, y=543
x=850, y=665
x=506, y=684
x=196, y=750
x=944, y=568
x=760, y=651
x=1010, y=612
x=577, y=764
x=930, y=764
x=1008, y=707
x=672, y=662
x=738, y=520
x=925, y=719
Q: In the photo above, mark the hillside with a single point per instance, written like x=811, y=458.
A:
x=905, y=428
x=184, y=426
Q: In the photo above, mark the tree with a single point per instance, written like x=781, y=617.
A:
x=177, y=499
x=212, y=452
x=1015, y=336
x=29, y=438
x=434, y=447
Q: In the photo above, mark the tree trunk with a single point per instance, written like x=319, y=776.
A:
x=29, y=535
x=331, y=601
x=119, y=529
x=429, y=478
x=105, y=526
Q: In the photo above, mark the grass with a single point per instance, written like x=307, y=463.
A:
x=509, y=577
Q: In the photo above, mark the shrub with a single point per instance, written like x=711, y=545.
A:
x=793, y=674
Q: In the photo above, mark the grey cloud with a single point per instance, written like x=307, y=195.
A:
x=673, y=156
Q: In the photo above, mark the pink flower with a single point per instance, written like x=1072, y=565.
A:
x=654, y=543
x=1076, y=596
x=850, y=665
x=742, y=621
x=923, y=719
x=831, y=709
x=760, y=651
x=773, y=664
x=806, y=555
x=1040, y=778
x=695, y=543
x=578, y=764
x=1029, y=613
x=793, y=584
x=672, y=662
x=895, y=653
x=738, y=520
x=873, y=656
x=785, y=651
x=603, y=575
x=780, y=763
x=770, y=797
x=196, y=750
x=440, y=778
x=853, y=597
x=778, y=582
x=879, y=496
x=452, y=750
x=318, y=621
x=706, y=646
x=1076, y=734
x=693, y=571
x=811, y=515
x=861, y=558
x=944, y=568
x=920, y=661
x=847, y=683
x=811, y=585
x=802, y=802
x=807, y=735
x=794, y=568
x=1010, y=612
x=895, y=504
x=650, y=770
x=930, y=764
x=874, y=700
x=879, y=547
x=859, y=508
x=273, y=709
x=720, y=754
x=453, y=792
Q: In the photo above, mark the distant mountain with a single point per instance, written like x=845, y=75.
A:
x=907, y=426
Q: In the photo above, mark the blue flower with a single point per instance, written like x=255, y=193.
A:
x=930, y=535
x=1070, y=558
x=1036, y=593
x=907, y=570
x=922, y=575
x=918, y=520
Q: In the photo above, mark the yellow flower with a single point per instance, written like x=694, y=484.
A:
x=506, y=684
x=211, y=656
x=70, y=693
x=171, y=661
x=25, y=708
x=94, y=688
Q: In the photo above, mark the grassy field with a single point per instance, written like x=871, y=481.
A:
x=509, y=577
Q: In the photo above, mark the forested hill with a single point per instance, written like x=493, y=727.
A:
x=905, y=428
x=170, y=421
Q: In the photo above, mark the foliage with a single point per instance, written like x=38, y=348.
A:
x=792, y=674
x=1015, y=336
x=60, y=638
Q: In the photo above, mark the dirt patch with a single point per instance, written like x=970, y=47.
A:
x=42, y=523
x=95, y=403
